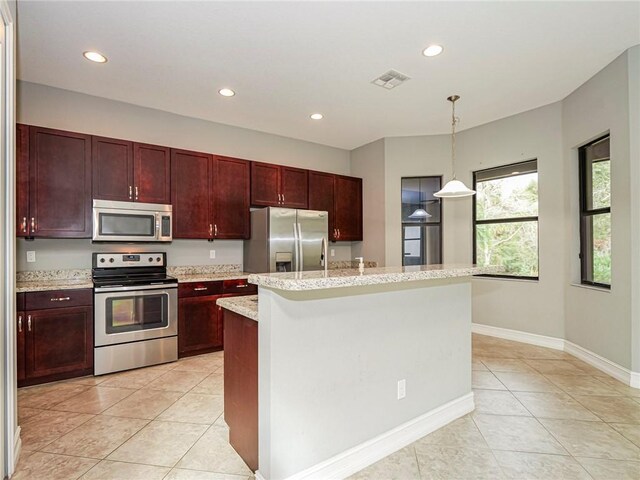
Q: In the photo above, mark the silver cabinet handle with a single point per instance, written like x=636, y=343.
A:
x=61, y=299
x=242, y=286
x=338, y=233
x=210, y=230
x=279, y=200
x=200, y=289
x=33, y=224
x=29, y=322
x=283, y=198
x=136, y=192
x=215, y=229
x=130, y=192
x=23, y=225
x=19, y=323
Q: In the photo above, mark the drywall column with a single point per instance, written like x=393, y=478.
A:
x=330, y=360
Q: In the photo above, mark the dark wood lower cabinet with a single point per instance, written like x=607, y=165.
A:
x=54, y=343
x=241, y=385
x=199, y=325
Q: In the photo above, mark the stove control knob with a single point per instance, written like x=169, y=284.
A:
x=102, y=260
x=158, y=259
x=151, y=259
x=111, y=260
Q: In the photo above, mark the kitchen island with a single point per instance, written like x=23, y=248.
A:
x=355, y=364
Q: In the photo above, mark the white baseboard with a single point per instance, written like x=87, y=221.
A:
x=17, y=447
x=518, y=336
x=367, y=453
x=607, y=366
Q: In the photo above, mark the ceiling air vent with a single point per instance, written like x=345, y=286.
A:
x=390, y=80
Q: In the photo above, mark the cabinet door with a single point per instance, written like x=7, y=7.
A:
x=231, y=198
x=59, y=341
x=59, y=183
x=151, y=173
x=20, y=346
x=191, y=180
x=198, y=328
x=321, y=197
x=22, y=180
x=112, y=169
x=294, y=186
x=348, y=208
x=265, y=185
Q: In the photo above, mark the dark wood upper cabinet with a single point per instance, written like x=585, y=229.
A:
x=112, y=169
x=231, y=180
x=322, y=197
x=348, y=208
x=265, y=184
x=190, y=194
x=278, y=186
x=59, y=184
x=151, y=173
x=294, y=186
x=128, y=171
x=22, y=180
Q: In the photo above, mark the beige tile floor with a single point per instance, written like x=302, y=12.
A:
x=540, y=414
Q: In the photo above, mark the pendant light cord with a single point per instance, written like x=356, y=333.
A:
x=454, y=120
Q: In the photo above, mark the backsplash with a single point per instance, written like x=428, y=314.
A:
x=61, y=254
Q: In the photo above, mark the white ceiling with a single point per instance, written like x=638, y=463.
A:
x=287, y=60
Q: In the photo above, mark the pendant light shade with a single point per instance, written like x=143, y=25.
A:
x=454, y=188
x=420, y=213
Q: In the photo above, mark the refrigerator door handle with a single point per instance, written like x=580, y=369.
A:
x=323, y=255
x=296, y=258
x=300, y=249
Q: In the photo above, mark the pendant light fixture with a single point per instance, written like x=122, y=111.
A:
x=420, y=213
x=454, y=188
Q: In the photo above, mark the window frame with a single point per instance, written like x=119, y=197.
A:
x=439, y=224
x=585, y=212
x=477, y=222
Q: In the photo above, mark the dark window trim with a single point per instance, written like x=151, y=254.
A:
x=585, y=212
x=503, y=220
x=412, y=224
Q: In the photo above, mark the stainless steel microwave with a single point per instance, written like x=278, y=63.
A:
x=131, y=222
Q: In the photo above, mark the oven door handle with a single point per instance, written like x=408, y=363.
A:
x=135, y=288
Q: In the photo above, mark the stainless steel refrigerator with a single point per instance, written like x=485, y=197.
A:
x=286, y=240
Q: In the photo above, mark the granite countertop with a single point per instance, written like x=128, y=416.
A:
x=246, y=305
x=317, y=280
x=44, y=280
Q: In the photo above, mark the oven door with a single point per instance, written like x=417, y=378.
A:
x=130, y=314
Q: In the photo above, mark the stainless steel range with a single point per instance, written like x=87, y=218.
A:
x=135, y=311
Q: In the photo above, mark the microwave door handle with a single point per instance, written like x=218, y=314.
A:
x=158, y=232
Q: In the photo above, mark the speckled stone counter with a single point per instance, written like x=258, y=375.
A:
x=206, y=273
x=300, y=281
x=44, y=280
x=246, y=305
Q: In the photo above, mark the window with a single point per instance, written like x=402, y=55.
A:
x=505, y=212
x=595, y=213
x=421, y=221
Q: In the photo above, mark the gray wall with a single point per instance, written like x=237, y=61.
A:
x=600, y=320
x=55, y=108
x=368, y=162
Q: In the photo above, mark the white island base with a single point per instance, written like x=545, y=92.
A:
x=330, y=360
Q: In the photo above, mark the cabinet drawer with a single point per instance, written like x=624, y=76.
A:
x=58, y=299
x=199, y=289
x=239, y=287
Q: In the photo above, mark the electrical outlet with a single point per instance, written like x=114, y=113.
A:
x=402, y=389
x=212, y=254
x=333, y=252
x=31, y=256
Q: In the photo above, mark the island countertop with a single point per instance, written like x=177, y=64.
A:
x=245, y=305
x=316, y=280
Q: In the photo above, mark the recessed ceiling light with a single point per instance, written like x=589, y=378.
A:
x=316, y=116
x=432, y=50
x=95, y=57
x=226, y=92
